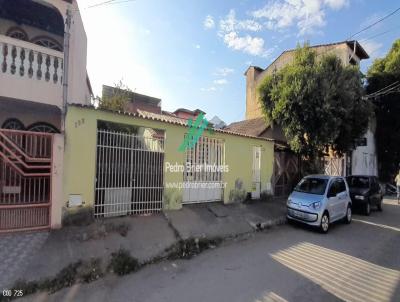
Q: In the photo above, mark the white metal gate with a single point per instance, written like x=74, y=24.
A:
x=129, y=174
x=203, y=175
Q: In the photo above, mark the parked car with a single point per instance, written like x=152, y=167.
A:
x=365, y=192
x=319, y=200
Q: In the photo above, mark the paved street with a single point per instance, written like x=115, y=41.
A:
x=359, y=262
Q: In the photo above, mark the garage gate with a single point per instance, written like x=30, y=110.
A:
x=25, y=180
x=129, y=174
x=204, y=185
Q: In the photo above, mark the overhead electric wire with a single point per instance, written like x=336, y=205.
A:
x=386, y=87
x=392, y=88
x=377, y=35
x=100, y=3
x=108, y=2
x=375, y=23
x=383, y=93
x=388, y=91
x=121, y=1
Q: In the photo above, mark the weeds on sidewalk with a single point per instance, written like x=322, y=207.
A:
x=186, y=249
x=123, y=263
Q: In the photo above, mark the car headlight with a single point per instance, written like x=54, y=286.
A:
x=360, y=197
x=316, y=205
x=288, y=202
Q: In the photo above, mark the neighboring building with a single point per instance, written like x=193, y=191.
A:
x=31, y=56
x=136, y=101
x=188, y=114
x=217, y=123
x=32, y=98
x=350, y=52
x=286, y=171
x=258, y=127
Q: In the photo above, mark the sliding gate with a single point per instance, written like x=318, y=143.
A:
x=129, y=174
x=25, y=180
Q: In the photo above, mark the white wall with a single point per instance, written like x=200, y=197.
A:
x=364, y=160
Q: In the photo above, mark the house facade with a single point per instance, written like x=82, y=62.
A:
x=135, y=171
x=33, y=91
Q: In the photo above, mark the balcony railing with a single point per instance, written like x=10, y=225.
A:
x=27, y=60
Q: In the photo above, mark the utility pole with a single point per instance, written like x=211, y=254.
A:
x=65, y=68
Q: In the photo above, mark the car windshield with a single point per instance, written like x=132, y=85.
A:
x=358, y=182
x=312, y=185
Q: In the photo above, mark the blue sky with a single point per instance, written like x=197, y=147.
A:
x=193, y=54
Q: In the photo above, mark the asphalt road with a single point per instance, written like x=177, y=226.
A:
x=356, y=262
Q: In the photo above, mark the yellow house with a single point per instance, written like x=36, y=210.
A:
x=123, y=163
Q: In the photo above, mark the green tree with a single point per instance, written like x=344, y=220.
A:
x=118, y=99
x=317, y=102
x=382, y=73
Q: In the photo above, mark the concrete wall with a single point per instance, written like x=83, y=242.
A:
x=253, y=108
x=80, y=156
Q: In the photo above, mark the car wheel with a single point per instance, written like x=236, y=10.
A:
x=324, y=226
x=367, y=209
x=380, y=208
x=349, y=215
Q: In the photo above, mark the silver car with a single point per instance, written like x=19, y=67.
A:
x=319, y=200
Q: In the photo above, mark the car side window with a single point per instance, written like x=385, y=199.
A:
x=332, y=189
x=341, y=186
x=375, y=183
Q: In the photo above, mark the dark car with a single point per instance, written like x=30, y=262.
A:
x=365, y=192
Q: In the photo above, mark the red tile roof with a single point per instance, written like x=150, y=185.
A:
x=253, y=127
x=166, y=119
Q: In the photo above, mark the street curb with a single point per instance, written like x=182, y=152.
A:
x=268, y=224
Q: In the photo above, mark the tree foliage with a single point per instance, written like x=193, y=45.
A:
x=382, y=73
x=317, y=102
x=118, y=100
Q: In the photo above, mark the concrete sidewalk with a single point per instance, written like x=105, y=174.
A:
x=145, y=237
x=218, y=220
